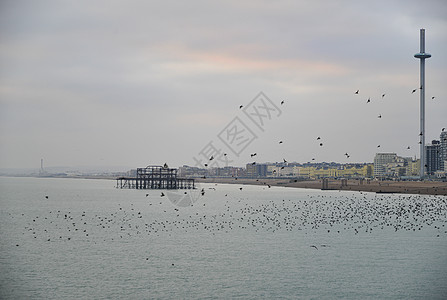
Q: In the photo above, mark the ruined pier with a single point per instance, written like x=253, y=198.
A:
x=155, y=177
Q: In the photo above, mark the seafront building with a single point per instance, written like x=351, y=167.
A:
x=390, y=165
x=433, y=157
x=311, y=171
x=254, y=170
x=194, y=172
x=443, y=150
x=380, y=162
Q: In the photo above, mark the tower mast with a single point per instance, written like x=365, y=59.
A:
x=422, y=56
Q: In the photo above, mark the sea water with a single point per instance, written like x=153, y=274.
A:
x=85, y=239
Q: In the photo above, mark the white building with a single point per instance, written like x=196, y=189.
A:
x=380, y=162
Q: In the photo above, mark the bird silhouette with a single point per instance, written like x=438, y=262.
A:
x=165, y=166
x=241, y=106
x=383, y=95
x=408, y=147
x=285, y=161
x=321, y=144
x=433, y=97
x=313, y=246
x=369, y=100
x=378, y=146
x=254, y=154
x=356, y=92
x=162, y=194
x=212, y=157
x=282, y=102
x=280, y=142
x=379, y=116
x=443, y=129
x=318, y=138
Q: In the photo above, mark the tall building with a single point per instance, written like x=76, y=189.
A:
x=443, y=150
x=380, y=161
x=433, y=157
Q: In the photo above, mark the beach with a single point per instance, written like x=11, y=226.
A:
x=399, y=187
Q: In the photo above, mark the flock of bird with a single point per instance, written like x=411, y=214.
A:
x=355, y=213
x=320, y=143
x=380, y=115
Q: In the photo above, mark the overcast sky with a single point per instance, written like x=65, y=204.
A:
x=134, y=83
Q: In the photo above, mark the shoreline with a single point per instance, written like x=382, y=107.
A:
x=385, y=187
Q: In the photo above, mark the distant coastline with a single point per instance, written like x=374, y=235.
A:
x=398, y=187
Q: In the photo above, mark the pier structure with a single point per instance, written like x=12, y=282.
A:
x=155, y=177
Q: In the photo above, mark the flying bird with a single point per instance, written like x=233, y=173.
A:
x=162, y=194
x=165, y=166
x=282, y=102
x=313, y=246
x=369, y=100
x=318, y=138
x=379, y=116
x=408, y=147
x=443, y=129
x=254, y=154
x=356, y=92
x=241, y=106
x=285, y=161
x=383, y=95
x=433, y=97
x=378, y=146
x=280, y=142
x=414, y=91
x=212, y=157
x=321, y=144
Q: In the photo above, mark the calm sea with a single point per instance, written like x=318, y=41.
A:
x=85, y=239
